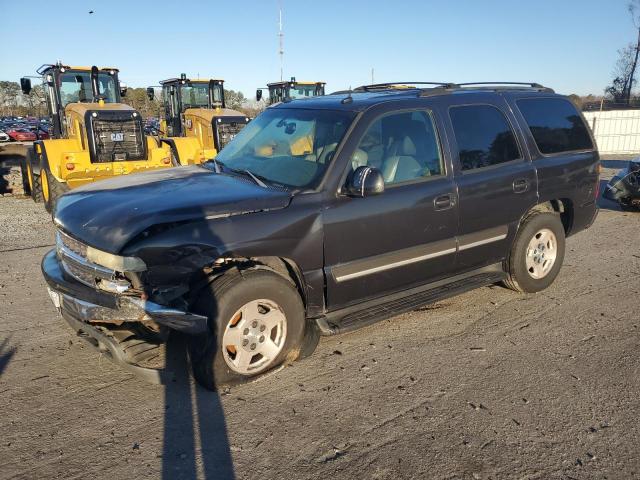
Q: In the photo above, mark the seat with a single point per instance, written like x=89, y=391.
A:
x=402, y=165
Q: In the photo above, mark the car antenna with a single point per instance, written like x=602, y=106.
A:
x=348, y=98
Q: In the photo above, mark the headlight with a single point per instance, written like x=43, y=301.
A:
x=115, y=262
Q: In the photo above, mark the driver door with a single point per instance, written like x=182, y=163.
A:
x=404, y=237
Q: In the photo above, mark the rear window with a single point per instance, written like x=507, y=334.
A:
x=483, y=135
x=555, y=125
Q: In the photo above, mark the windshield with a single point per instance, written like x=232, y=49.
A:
x=302, y=91
x=76, y=87
x=195, y=95
x=289, y=147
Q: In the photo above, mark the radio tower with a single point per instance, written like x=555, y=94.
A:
x=281, y=42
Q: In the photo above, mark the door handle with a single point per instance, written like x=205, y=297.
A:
x=521, y=185
x=443, y=202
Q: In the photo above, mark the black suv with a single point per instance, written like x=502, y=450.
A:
x=321, y=216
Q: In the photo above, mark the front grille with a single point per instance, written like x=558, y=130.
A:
x=227, y=128
x=118, y=139
x=73, y=256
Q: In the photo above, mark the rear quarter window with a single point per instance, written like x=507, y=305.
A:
x=555, y=124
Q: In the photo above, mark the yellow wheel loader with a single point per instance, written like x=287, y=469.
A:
x=196, y=123
x=94, y=136
x=291, y=90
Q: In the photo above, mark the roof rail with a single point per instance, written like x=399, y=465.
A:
x=498, y=84
x=384, y=86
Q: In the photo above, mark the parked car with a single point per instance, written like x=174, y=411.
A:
x=21, y=135
x=324, y=215
x=42, y=134
x=4, y=137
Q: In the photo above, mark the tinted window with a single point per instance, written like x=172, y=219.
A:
x=555, y=125
x=483, y=135
x=403, y=146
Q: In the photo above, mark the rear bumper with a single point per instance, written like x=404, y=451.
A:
x=84, y=304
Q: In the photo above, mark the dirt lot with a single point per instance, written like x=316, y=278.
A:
x=491, y=384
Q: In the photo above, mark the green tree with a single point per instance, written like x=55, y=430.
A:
x=9, y=97
x=234, y=100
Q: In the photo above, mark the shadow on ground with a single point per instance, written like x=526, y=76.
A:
x=192, y=413
x=5, y=355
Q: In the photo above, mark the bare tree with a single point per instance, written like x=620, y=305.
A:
x=625, y=69
x=634, y=10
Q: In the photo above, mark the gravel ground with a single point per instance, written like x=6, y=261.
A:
x=488, y=385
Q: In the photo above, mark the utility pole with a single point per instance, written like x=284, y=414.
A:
x=372, y=81
x=281, y=44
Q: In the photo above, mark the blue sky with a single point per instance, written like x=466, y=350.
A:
x=569, y=45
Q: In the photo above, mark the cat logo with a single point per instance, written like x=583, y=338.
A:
x=188, y=123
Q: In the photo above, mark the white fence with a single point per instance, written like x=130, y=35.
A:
x=616, y=131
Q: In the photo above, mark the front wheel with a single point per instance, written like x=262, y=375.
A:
x=52, y=189
x=537, y=253
x=257, y=322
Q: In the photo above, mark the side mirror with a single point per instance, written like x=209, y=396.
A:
x=258, y=94
x=151, y=93
x=365, y=181
x=25, y=85
x=123, y=89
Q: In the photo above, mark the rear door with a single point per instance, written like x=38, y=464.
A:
x=495, y=178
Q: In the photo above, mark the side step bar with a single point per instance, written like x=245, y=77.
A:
x=352, y=318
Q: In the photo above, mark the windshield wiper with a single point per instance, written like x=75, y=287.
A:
x=256, y=179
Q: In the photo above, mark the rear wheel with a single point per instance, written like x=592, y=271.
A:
x=257, y=322
x=26, y=184
x=537, y=253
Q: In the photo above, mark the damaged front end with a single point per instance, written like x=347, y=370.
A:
x=624, y=187
x=101, y=296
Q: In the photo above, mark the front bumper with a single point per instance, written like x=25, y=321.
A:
x=84, y=304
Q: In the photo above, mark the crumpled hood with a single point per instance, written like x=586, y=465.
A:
x=109, y=213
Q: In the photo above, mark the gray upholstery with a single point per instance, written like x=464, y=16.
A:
x=402, y=165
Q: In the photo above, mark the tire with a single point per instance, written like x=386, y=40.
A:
x=238, y=301
x=34, y=180
x=52, y=189
x=533, y=265
x=26, y=186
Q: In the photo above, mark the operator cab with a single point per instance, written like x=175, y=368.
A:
x=291, y=90
x=180, y=94
x=64, y=85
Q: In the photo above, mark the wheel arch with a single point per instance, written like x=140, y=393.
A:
x=562, y=206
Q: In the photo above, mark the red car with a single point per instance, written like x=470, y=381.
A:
x=21, y=135
x=42, y=134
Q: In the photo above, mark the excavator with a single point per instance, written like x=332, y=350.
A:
x=291, y=90
x=95, y=135
x=196, y=123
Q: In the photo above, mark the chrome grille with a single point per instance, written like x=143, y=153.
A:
x=73, y=257
x=118, y=140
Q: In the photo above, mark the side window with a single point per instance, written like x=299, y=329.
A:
x=483, y=135
x=555, y=124
x=403, y=146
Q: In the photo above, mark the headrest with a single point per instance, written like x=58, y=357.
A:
x=359, y=158
x=407, y=147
